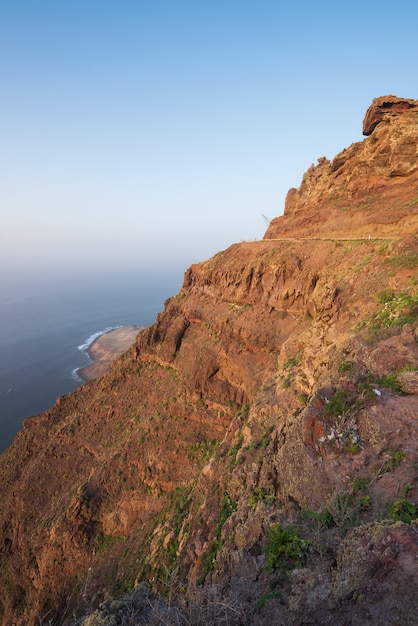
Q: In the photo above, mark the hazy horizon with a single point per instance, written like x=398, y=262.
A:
x=158, y=133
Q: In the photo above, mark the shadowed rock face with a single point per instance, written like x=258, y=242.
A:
x=278, y=387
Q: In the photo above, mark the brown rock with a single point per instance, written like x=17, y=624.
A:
x=314, y=431
x=383, y=106
x=375, y=568
x=408, y=382
x=368, y=190
x=392, y=354
x=210, y=430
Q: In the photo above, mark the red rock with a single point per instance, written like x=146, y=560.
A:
x=314, y=430
x=384, y=106
x=368, y=190
x=132, y=468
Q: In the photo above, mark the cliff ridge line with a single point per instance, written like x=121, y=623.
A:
x=368, y=189
x=252, y=457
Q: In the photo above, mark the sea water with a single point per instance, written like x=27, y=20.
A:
x=45, y=330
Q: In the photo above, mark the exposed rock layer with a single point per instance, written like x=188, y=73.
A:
x=368, y=189
x=278, y=387
x=383, y=107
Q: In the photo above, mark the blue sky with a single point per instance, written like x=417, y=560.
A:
x=154, y=133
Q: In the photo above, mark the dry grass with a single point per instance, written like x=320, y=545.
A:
x=198, y=606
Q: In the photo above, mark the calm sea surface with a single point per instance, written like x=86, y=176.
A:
x=42, y=332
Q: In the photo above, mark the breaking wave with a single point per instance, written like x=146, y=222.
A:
x=86, y=345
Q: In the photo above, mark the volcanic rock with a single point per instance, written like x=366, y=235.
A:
x=252, y=457
x=384, y=106
x=367, y=190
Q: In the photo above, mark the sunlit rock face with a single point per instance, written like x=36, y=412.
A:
x=278, y=387
x=367, y=189
x=384, y=107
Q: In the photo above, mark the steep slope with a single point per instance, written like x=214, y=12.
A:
x=258, y=440
x=368, y=189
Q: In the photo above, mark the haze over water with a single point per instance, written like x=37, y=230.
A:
x=42, y=328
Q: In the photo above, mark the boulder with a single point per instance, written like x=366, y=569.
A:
x=383, y=106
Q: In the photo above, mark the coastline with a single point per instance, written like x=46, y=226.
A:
x=105, y=348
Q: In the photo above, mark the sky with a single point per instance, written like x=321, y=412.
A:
x=150, y=134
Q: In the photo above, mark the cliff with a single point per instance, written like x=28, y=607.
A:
x=253, y=457
x=367, y=188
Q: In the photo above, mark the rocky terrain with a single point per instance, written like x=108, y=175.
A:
x=252, y=458
x=367, y=188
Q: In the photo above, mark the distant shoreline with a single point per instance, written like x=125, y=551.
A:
x=105, y=348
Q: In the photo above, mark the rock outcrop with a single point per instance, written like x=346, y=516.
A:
x=255, y=451
x=368, y=189
x=384, y=106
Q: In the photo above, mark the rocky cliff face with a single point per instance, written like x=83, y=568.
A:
x=367, y=189
x=253, y=457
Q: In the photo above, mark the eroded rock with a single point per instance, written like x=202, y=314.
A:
x=384, y=106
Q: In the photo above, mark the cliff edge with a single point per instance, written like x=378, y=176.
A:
x=367, y=189
x=252, y=458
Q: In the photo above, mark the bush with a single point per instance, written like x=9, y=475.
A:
x=403, y=510
x=398, y=310
x=337, y=404
x=407, y=259
x=386, y=295
x=396, y=458
x=262, y=494
x=345, y=366
x=285, y=548
x=228, y=507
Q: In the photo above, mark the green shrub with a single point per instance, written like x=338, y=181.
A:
x=344, y=509
x=233, y=452
x=396, y=458
x=351, y=446
x=406, y=489
x=228, y=506
x=285, y=548
x=267, y=596
x=390, y=381
x=386, y=295
x=262, y=494
x=286, y=382
x=360, y=484
x=103, y=542
x=382, y=249
x=405, y=259
x=244, y=411
x=403, y=510
x=398, y=310
x=323, y=517
x=337, y=404
x=345, y=366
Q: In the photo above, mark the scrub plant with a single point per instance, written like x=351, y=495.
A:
x=285, y=548
x=396, y=457
x=228, y=507
x=398, y=309
x=403, y=510
x=341, y=409
x=343, y=509
x=262, y=494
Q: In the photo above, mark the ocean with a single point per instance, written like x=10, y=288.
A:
x=45, y=329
